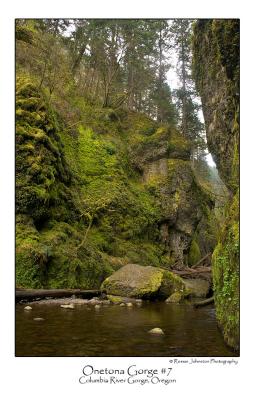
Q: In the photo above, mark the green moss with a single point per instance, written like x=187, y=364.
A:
x=147, y=283
x=176, y=167
x=115, y=299
x=176, y=297
x=40, y=164
x=149, y=287
x=61, y=204
x=216, y=70
x=235, y=163
x=194, y=253
x=170, y=284
x=179, y=146
x=138, y=126
x=76, y=181
x=226, y=276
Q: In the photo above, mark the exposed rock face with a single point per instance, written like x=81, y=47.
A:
x=134, y=280
x=163, y=159
x=216, y=71
x=155, y=168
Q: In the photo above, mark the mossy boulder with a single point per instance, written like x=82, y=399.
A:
x=176, y=297
x=115, y=299
x=134, y=280
x=197, y=287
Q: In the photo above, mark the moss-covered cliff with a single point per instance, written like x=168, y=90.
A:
x=93, y=195
x=96, y=187
x=216, y=71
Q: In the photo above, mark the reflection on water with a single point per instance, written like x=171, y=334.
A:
x=118, y=331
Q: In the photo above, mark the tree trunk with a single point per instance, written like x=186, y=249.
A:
x=78, y=59
x=159, y=109
x=184, y=94
x=30, y=294
x=198, y=264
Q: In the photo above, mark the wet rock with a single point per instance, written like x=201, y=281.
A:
x=156, y=331
x=122, y=304
x=38, y=319
x=63, y=301
x=197, y=287
x=94, y=301
x=138, y=281
x=80, y=301
x=176, y=297
x=27, y=308
x=97, y=306
x=129, y=305
x=68, y=306
x=115, y=299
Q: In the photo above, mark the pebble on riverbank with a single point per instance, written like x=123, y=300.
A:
x=156, y=331
x=27, y=308
x=71, y=306
x=38, y=319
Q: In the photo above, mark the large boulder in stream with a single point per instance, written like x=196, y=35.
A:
x=197, y=287
x=134, y=280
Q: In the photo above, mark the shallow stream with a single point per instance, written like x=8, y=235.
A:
x=112, y=330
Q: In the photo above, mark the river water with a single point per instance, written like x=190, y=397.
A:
x=118, y=331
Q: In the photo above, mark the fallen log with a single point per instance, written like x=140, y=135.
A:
x=200, y=261
x=31, y=294
x=191, y=271
x=204, y=302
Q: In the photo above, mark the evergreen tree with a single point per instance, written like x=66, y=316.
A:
x=186, y=96
x=165, y=109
